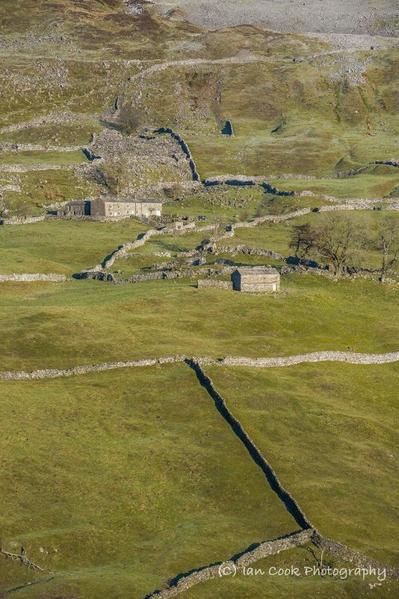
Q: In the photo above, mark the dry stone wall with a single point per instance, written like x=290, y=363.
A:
x=249, y=251
x=185, y=149
x=184, y=582
x=216, y=284
x=287, y=499
x=346, y=554
x=22, y=220
x=29, y=278
x=323, y=356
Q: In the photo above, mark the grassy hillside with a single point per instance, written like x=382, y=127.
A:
x=298, y=105
x=61, y=246
x=114, y=483
x=328, y=431
x=47, y=325
x=133, y=490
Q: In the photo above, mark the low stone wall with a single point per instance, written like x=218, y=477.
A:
x=285, y=497
x=124, y=249
x=53, y=373
x=272, y=218
x=387, y=162
x=26, y=168
x=346, y=554
x=22, y=220
x=249, y=251
x=349, y=357
x=185, y=149
x=183, y=582
x=243, y=181
x=322, y=356
x=27, y=147
x=212, y=283
x=95, y=275
x=29, y=278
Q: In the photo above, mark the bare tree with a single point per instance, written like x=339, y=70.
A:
x=336, y=241
x=129, y=119
x=387, y=244
x=303, y=239
x=115, y=175
x=3, y=207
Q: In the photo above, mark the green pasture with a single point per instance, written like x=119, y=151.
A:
x=61, y=246
x=115, y=497
x=328, y=431
x=80, y=322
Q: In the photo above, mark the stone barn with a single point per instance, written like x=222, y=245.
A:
x=256, y=279
x=115, y=208
x=75, y=208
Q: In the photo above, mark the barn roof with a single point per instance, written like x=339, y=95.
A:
x=127, y=200
x=256, y=270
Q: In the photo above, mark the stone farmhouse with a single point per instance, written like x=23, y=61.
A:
x=121, y=208
x=256, y=279
x=113, y=208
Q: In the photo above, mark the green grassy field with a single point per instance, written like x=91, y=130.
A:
x=27, y=158
x=64, y=134
x=328, y=430
x=48, y=325
x=61, y=246
x=365, y=185
x=134, y=490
